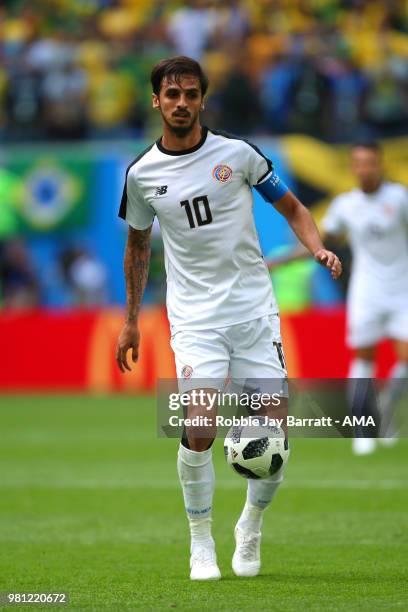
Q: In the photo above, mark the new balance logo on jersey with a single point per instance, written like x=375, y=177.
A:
x=160, y=191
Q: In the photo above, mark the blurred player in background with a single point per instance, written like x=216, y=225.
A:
x=374, y=217
x=222, y=311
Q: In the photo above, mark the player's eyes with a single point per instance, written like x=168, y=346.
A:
x=174, y=93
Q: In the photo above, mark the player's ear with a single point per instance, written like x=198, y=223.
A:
x=202, y=104
x=155, y=101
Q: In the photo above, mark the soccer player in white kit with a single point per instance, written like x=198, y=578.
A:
x=223, y=315
x=374, y=217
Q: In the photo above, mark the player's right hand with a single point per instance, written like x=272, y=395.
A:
x=129, y=338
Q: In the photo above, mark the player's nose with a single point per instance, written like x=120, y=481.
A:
x=182, y=103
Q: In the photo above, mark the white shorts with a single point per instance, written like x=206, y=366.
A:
x=247, y=351
x=367, y=326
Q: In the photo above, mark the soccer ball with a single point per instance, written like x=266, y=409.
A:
x=256, y=450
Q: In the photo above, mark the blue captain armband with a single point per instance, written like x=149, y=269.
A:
x=273, y=189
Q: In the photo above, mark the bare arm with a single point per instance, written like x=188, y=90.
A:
x=136, y=268
x=302, y=223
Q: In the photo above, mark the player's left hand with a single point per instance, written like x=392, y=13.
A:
x=329, y=260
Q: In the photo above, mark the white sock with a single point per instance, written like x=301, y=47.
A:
x=251, y=518
x=197, y=478
x=259, y=495
x=361, y=393
x=397, y=382
x=397, y=385
x=361, y=368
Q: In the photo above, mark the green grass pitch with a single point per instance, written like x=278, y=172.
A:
x=90, y=505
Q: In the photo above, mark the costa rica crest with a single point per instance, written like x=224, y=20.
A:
x=222, y=173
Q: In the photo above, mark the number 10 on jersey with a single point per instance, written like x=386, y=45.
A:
x=199, y=213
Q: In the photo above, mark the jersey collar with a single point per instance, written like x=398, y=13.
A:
x=204, y=132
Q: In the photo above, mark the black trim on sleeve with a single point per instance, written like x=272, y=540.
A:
x=269, y=170
x=234, y=137
x=123, y=201
x=204, y=132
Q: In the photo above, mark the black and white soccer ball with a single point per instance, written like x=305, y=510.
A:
x=256, y=450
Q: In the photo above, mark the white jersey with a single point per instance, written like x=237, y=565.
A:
x=216, y=274
x=376, y=225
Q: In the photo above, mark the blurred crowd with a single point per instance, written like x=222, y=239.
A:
x=77, y=277
x=73, y=69
x=79, y=69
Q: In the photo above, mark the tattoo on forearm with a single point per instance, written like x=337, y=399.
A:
x=136, y=265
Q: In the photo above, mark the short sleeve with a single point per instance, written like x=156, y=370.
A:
x=333, y=221
x=133, y=207
x=258, y=165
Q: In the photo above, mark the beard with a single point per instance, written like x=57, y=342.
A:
x=181, y=130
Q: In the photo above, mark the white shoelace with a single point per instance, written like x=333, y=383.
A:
x=203, y=555
x=248, y=546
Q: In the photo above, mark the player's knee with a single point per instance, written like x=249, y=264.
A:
x=200, y=444
x=402, y=352
x=367, y=353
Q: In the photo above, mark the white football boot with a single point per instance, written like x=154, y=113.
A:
x=203, y=562
x=363, y=446
x=388, y=442
x=246, y=561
